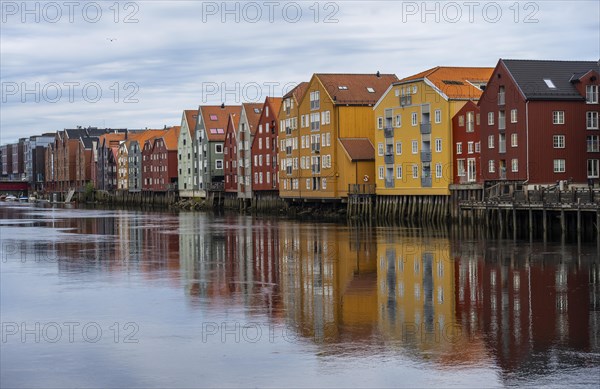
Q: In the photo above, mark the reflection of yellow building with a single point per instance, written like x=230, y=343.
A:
x=415, y=279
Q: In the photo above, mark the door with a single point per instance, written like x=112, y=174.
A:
x=471, y=170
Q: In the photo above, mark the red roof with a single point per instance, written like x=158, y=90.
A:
x=358, y=149
x=215, y=120
x=191, y=116
x=253, y=111
x=356, y=89
x=454, y=82
x=298, y=91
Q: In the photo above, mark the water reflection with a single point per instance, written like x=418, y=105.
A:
x=529, y=311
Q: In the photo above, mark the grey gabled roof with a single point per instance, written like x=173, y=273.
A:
x=530, y=74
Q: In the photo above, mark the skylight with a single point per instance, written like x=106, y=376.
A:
x=220, y=131
x=213, y=130
x=342, y=87
x=256, y=110
x=453, y=82
x=370, y=90
x=549, y=83
x=213, y=118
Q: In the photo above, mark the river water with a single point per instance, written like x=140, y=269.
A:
x=101, y=299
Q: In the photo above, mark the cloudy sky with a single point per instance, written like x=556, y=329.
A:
x=138, y=64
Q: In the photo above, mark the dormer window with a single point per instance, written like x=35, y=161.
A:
x=549, y=83
x=370, y=90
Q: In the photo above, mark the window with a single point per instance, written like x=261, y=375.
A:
x=414, y=119
x=514, y=140
x=501, y=120
x=591, y=94
x=438, y=116
x=558, y=117
x=491, y=166
x=415, y=147
x=415, y=171
x=491, y=142
x=398, y=148
x=513, y=115
x=514, y=165
x=438, y=170
x=380, y=149
x=308, y=183
x=315, y=121
x=490, y=118
x=470, y=148
x=478, y=147
x=219, y=164
x=459, y=148
x=549, y=83
x=558, y=141
x=398, y=121
x=461, y=121
x=592, y=120
x=219, y=149
x=379, y=123
x=213, y=118
x=461, y=168
x=327, y=116
x=314, y=100
x=380, y=172
x=559, y=166
x=593, y=166
x=399, y=171
x=438, y=145
x=470, y=122
x=593, y=143
x=324, y=183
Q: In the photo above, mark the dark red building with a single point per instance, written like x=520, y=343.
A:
x=159, y=161
x=466, y=135
x=539, y=122
x=230, y=154
x=264, y=148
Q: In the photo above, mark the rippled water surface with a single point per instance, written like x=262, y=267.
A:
x=96, y=298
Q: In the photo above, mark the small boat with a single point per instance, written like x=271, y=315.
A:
x=32, y=199
x=11, y=198
x=23, y=199
x=2, y=197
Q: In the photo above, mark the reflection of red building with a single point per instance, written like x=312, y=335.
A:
x=522, y=310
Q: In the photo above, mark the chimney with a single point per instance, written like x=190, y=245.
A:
x=222, y=105
x=378, y=74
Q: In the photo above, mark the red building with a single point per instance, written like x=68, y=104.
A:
x=466, y=152
x=540, y=122
x=159, y=161
x=230, y=154
x=264, y=148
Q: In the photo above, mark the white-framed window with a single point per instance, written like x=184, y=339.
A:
x=323, y=183
x=415, y=147
x=219, y=148
x=308, y=183
x=491, y=166
x=558, y=117
x=380, y=172
x=478, y=147
x=461, y=121
x=414, y=119
x=438, y=170
x=398, y=148
x=559, y=166
x=327, y=116
x=399, y=171
x=558, y=141
x=458, y=147
x=591, y=94
x=490, y=141
x=470, y=122
x=315, y=100
x=470, y=147
x=461, y=168
x=260, y=160
x=219, y=164
x=514, y=165
x=380, y=123
x=438, y=145
x=490, y=118
x=593, y=167
x=398, y=121
x=514, y=140
x=592, y=120
x=380, y=149
x=593, y=143
x=415, y=171
x=438, y=115
x=513, y=115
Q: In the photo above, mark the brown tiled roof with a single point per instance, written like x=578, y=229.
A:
x=358, y=149
x=353, y=89
x=298, y=91
x=191, y=116
x=142, y=136
x=454, y=82
x=275, y=104
x=111, y=138
x=252, y=115
x=170, y=137
x=215, y=129
x=234, y=120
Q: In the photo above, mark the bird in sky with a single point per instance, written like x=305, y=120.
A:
x=111, y=39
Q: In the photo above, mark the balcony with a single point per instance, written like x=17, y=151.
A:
x=501, y=123
x=502, y=147
x=288, y=130
x=288, y=170
x=315, y=169
x=388, y=132
x=288, y=150
x=425, y=128
x=389, y=182
x=405, y=100
x=315, y=148
x=426, y=182
x=425, y=156
x=389, y=158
